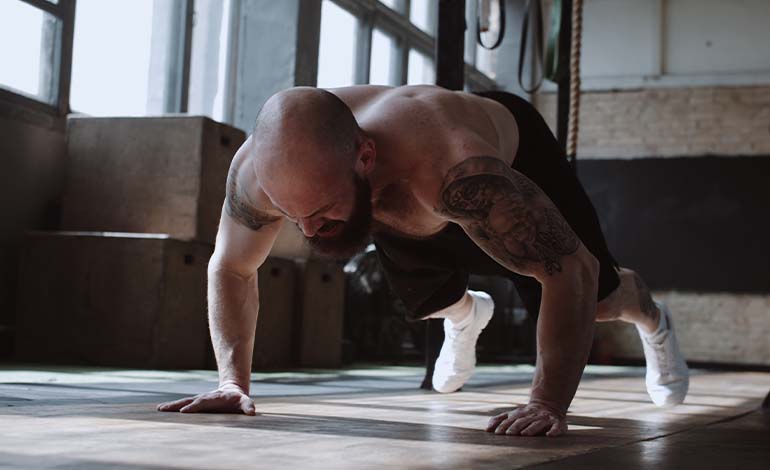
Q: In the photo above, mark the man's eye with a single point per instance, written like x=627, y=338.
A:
x=328, y=226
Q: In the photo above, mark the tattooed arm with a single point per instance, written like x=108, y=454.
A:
x=246, y=234
x=513, y=221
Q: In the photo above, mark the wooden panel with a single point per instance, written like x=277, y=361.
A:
x=323, y=305
x=137, y=302
x=274, y=341
x=219, y=142
x=151, y=175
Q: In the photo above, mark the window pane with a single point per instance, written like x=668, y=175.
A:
x=208, y=62
x=392, y=4
x=337, y=49
x=111, y=57
x=389, y=3
x=383, y=46
x=486, y=61
x=27, y=49
x=423, y=14
x=421, y=69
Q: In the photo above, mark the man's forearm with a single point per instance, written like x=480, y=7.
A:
x=564, y=334
x=233, y=302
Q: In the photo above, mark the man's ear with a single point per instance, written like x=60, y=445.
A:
x=367, y=155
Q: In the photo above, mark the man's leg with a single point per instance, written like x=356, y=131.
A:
x=631, y=302
x=667, y=377
x=463, y=322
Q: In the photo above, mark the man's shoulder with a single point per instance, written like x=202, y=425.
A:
x=243, y=183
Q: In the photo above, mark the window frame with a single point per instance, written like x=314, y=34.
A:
x=61, y=66
x=372, y=14
x=177, y=79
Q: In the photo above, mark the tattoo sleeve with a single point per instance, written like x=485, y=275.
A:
x=237, y=206
x=507, y=215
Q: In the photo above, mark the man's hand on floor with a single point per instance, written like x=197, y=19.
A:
x=530, y=420
x=228, y=398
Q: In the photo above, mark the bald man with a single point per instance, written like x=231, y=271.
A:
x=445, y=184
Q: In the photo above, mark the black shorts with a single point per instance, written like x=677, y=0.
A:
x=429, y=274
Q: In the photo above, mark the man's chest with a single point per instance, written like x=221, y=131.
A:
x=397, y=210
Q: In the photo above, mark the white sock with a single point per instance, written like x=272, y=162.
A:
x=466, y=320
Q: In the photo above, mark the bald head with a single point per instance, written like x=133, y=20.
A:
x=305, y=126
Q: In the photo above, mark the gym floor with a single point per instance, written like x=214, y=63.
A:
x=365, y=417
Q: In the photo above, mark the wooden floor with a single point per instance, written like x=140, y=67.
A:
x=80, y=418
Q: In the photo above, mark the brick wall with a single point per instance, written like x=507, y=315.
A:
x=664, y=122
x=711, y=327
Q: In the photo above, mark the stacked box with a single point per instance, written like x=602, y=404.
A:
x=127, y=285
x=113, y=299
x=273, y=342
x=147, y=175
x=322, y=313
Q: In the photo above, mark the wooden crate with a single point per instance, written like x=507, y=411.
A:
x=274, y=338
x=322, y=313
x=147, y=175
x=113, y=300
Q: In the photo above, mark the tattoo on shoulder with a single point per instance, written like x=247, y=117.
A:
x=507, y=214
x=238, y=207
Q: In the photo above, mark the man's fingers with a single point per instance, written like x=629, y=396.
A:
x=503, y=426
x=520, y=424
x=536, y=427
x=494, y=421
x=557, y=429
x=176, y=404
x=247, y=406
x=193, y=407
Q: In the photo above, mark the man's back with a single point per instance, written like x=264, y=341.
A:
x=422, y=131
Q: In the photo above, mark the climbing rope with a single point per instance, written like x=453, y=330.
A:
x=574, y=83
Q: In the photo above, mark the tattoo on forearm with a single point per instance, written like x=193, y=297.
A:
x=238, y=207
x=507, y=214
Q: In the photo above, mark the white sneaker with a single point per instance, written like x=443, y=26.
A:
x=667, y=377
x=457, y=360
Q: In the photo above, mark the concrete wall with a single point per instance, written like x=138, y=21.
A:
x=32, y=151
x=674, y=149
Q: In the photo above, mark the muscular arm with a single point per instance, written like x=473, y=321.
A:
x=243, y=242
x=513, y=221
x=244, y=238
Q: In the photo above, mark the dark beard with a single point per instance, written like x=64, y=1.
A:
x=355, y=234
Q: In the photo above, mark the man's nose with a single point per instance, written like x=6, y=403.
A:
x=309, y=227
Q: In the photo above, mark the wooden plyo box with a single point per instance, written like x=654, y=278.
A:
x=147, y=175
x=322, y=313
x=274, y=338
x=123, y=300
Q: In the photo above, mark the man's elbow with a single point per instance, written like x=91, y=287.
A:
x=219, y=267
x=589, y=268
x=578, y=280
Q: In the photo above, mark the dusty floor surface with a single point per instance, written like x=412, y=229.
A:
x=371, y=417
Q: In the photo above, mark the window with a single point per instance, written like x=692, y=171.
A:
x=364, y=42
x=337, y=48
x=29, y=51
x=423, y=14
x=111, y=57
x=383, y=48
x=421, y=69
x=209, y=63
x=392, y=4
